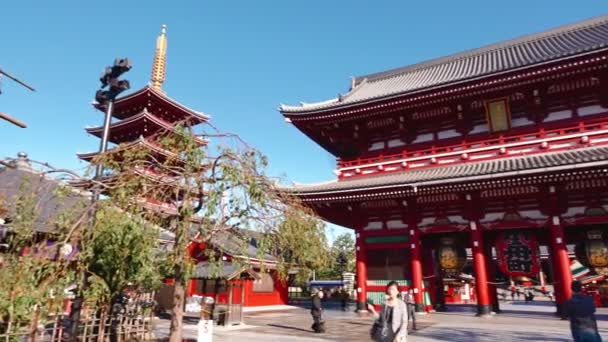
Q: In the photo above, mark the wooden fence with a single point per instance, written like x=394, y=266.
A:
x=133, y=321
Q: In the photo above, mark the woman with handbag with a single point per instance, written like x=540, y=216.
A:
x=391, y=323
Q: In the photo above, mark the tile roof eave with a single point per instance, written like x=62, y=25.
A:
x=311, y=109
x=525, y=172
x=163, y=97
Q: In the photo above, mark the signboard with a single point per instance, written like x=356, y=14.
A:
x=498, y=115
x=205, y=330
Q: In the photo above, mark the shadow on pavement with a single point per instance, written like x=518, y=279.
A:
x=539, y=303
x=468, y=335
x=288, y=327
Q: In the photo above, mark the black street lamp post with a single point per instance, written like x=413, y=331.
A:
x=105, y=99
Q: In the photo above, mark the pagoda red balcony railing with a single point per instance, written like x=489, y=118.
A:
x=583, y=133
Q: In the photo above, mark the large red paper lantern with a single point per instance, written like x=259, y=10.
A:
x=593, y=252
x=517, y=253
x=451, y=256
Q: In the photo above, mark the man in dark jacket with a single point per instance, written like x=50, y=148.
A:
x=580, y=309
x=317, y=312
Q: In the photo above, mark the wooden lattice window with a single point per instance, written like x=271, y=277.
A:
x=498, y=115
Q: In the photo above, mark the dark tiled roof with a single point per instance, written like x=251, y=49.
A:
x=565, y=41
x=15, y=182
x=223, y=270
x=583, y=157
x=239, y=243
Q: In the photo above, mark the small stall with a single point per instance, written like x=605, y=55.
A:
x=226, y=286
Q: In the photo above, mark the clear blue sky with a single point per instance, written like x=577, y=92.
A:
x=234, y=60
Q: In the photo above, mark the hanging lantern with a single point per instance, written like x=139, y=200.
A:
x=594, y=251
x=451, y=257
x=517, y=253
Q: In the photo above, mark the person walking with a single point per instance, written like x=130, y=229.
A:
x=343, y=298
x=410, y=301
x=390, y=324
x=580, y=309
x=316, y=310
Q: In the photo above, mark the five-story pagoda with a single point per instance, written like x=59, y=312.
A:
x=141, y=120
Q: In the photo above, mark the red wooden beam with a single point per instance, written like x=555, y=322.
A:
x=12, y=120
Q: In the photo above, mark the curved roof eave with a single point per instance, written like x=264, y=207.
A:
x=564, y=42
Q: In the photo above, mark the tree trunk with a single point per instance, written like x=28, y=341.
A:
x=34, y=325
x=102, y=325
x=177, y=312
x=9, y=325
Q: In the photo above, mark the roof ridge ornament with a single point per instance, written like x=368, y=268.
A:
x=160, y=60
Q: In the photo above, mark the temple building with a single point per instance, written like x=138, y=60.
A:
x=497, y=153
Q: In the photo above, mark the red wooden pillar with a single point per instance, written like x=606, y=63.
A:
x=561, y=263
x=557, y=289
x=480, y=265
x=415, y=253
x=484, y=305
x=361, y=256
x=492, y=276
x=416, y=266
x=429, y=274
x=559, y=252
x=191, y=289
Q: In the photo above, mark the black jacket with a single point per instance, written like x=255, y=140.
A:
x=315, y=310
x=580, y=309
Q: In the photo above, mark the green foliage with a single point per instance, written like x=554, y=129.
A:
x=120, y=250
x=34, y=276
x=301, y=244
x=31, y=281
x=343, y=247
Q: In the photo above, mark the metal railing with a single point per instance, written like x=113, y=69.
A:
x=581, y=127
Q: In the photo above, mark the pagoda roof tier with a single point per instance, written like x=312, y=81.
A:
x=162, y=180
x=164, y=209
x=140, y=142
x=156, y=102
x=529, y=51
x=537, y=164
x=143, y=124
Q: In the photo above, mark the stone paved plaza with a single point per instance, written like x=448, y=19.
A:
x=518, y=322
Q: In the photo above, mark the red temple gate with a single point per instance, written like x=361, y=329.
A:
x=511, y=137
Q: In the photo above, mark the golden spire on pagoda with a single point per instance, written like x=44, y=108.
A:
x=160, y=59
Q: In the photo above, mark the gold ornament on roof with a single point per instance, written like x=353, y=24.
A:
x=160, y=60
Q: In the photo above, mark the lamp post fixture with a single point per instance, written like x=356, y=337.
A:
x=105, y=99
